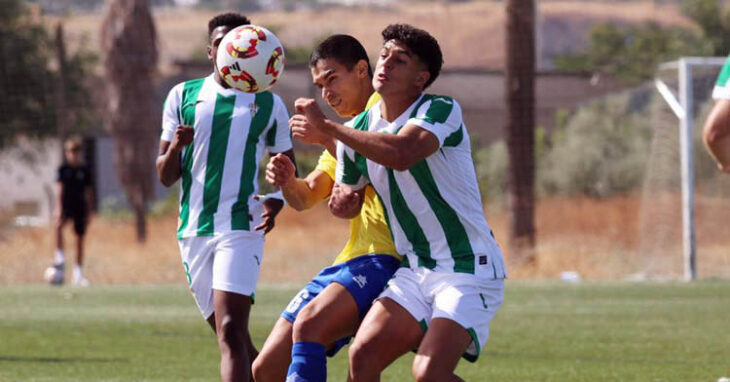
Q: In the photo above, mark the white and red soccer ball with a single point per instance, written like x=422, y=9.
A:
x=250, y=58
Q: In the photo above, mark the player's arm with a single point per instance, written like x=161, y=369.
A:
x=89, y=200
x=716, y=134
x=301, y=194
x=58, y=212
x=397, y=151
x=273, y=205
x=168, y=158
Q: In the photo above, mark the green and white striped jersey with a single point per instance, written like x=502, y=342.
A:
x=220, y=166
x=722, y=86
x=434, y=209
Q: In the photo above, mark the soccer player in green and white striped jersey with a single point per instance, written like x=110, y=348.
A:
x=413, y=148
x=213, y=138
x=716, y=133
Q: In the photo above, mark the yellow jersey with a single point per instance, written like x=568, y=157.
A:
x=369, y=232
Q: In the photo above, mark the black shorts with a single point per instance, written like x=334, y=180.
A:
x=79, y=218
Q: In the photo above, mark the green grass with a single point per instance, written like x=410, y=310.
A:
x=545, y=331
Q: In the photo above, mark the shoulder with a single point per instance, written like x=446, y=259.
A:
x=435, y=108
x=439, y=99
x=374, y=98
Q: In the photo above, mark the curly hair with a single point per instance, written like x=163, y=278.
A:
x=230, y=19
x=420, y=43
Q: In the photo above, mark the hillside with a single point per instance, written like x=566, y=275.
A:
x=471, y=34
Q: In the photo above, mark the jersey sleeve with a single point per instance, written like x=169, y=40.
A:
x=347, y=172
x=278, y=137
x=439, y=115
x=171, y=113
x=327, y=163
x=722, y=86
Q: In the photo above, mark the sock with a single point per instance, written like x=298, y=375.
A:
x=307, y=362
x=78, y=273
x=60, y=257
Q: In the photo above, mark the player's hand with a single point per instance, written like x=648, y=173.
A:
x=183, y=136
x=345, y=202
x=272, y=207
x=304, y=131
x=309, y=121
x=280, y=170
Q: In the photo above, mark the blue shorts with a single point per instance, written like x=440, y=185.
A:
x=364, y=277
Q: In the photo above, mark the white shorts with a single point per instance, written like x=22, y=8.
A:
x=463, y=298
x=228, y=262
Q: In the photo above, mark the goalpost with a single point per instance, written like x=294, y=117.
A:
x=683, y=108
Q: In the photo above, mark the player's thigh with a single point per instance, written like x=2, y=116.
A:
x=277, y=346
x=231, y=318
x=441, y=348
x=387, y=332
x=332, y=315
x=273, y=360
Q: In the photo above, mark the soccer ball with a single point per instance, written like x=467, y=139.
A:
x=250, y=58
x=53, y=275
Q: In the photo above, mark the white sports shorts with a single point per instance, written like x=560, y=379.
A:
x=463, y=298
x=227, y=262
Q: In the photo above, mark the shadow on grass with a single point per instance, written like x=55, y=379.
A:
x=14, y=358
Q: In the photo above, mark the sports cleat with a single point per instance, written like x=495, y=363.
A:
x=81, y=282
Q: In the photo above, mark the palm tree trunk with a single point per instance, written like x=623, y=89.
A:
x=520, y=98
x=130, y=60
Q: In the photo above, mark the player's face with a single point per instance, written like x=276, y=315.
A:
x=73, y=155
x=215, y=39
x=342, y=89
x=398, y=70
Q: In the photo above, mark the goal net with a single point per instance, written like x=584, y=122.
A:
x=685, y=208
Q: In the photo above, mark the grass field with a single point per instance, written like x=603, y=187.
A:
x=546, y=331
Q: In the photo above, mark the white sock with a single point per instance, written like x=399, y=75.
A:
x=78, y=273
x=60, y=257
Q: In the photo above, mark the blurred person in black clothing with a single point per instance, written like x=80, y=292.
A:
x=74, y=203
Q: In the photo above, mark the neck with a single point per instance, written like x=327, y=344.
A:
x=394, y=105
x=219, y=80
x=365, y=96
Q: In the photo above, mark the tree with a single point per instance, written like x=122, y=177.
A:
x=130, y=59
x=713, y=21
x=632, y=53
x=29, y=78
x=520, y=99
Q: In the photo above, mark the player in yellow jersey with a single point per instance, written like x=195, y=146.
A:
x=323, y=316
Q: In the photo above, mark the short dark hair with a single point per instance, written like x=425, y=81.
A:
x=343, y=48
x=421, y=43
x=230, y=19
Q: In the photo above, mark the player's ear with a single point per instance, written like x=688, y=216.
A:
x=422, y=77
x=362, y=69
x=209, y=52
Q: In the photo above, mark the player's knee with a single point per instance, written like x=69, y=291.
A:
x=424, y=369
x=308, y=327
x=231, y=335
x=363, y=357
x=261, y=369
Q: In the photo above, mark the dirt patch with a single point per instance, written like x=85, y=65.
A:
x=600, y=239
